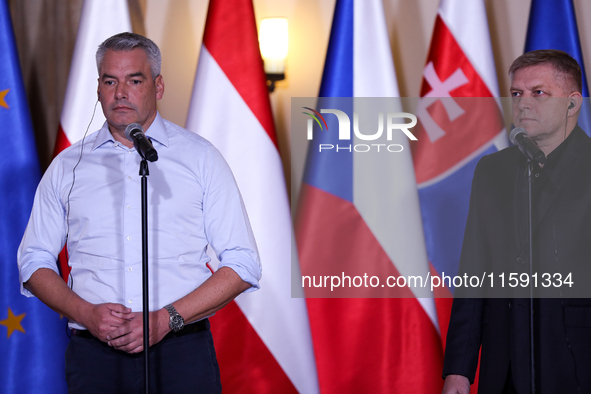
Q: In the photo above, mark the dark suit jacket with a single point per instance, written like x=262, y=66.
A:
x=495, y=241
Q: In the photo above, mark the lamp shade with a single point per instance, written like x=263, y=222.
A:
x=273, y=41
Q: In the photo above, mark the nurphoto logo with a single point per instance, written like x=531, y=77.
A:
x=393, y=124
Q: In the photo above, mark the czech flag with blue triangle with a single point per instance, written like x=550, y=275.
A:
x=356, y=215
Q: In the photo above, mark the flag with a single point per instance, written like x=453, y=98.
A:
x=33, y=338
x=553, y=25
x=454, y=133
x=263, y=338
x=357, y=211
x=81, y=113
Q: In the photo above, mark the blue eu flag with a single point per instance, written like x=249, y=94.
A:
x=32, y=337
x=553, y=25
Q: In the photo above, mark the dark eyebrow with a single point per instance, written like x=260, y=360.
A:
x=137, y=74
x=538, y=87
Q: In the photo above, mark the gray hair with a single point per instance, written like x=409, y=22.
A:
x=127, y=42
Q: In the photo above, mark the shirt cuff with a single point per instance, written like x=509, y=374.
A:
x=27, y=269
x=247, y=269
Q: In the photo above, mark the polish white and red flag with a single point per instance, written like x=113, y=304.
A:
x=262, y=338
x=459, y=122
x=100, y=19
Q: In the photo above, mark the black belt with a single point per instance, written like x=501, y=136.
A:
x=201, y=325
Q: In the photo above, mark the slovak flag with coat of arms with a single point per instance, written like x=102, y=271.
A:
x=459, y=122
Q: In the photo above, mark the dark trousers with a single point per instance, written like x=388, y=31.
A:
x=185, y=364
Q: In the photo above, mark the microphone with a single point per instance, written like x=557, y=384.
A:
x=135, y=133
x=527, y=146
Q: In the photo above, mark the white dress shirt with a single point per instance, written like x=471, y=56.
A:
x=193, y=202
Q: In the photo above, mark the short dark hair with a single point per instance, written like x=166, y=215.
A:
x=561, y=61
x=127, y=42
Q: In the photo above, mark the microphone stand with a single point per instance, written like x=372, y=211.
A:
x=144, y=172
x=530, y=166
x=135, y=133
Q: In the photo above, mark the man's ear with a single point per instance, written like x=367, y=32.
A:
x=575, y=102
x=159, y=82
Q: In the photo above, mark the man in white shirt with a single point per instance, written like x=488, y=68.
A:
x=90, y=197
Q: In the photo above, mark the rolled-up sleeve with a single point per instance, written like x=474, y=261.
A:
x=45, y=234
x=226, y=221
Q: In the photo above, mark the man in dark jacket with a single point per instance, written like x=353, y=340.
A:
x=546, y=89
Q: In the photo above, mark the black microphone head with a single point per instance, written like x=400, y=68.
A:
x=130, y=128
x=516, y=131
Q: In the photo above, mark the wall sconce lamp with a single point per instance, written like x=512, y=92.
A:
x=273, y=44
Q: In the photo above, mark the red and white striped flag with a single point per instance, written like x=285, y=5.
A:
x=100, y=19
x=263, y=338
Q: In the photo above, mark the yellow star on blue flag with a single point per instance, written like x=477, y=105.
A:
x=32, y=350
x=3, y=94
x=13, y=323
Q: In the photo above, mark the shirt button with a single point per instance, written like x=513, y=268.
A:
x=537, y=174
x=130, y=269
x=130, y=301
x=129, y=238
x=129, y=206
x=129, y=177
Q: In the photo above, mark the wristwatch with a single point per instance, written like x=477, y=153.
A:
x=176, y=322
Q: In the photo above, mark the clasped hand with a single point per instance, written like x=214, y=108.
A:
x=123, y=329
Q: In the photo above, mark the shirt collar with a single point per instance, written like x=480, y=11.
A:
x=156, y=132
x=103, y=136
x=554, y=156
